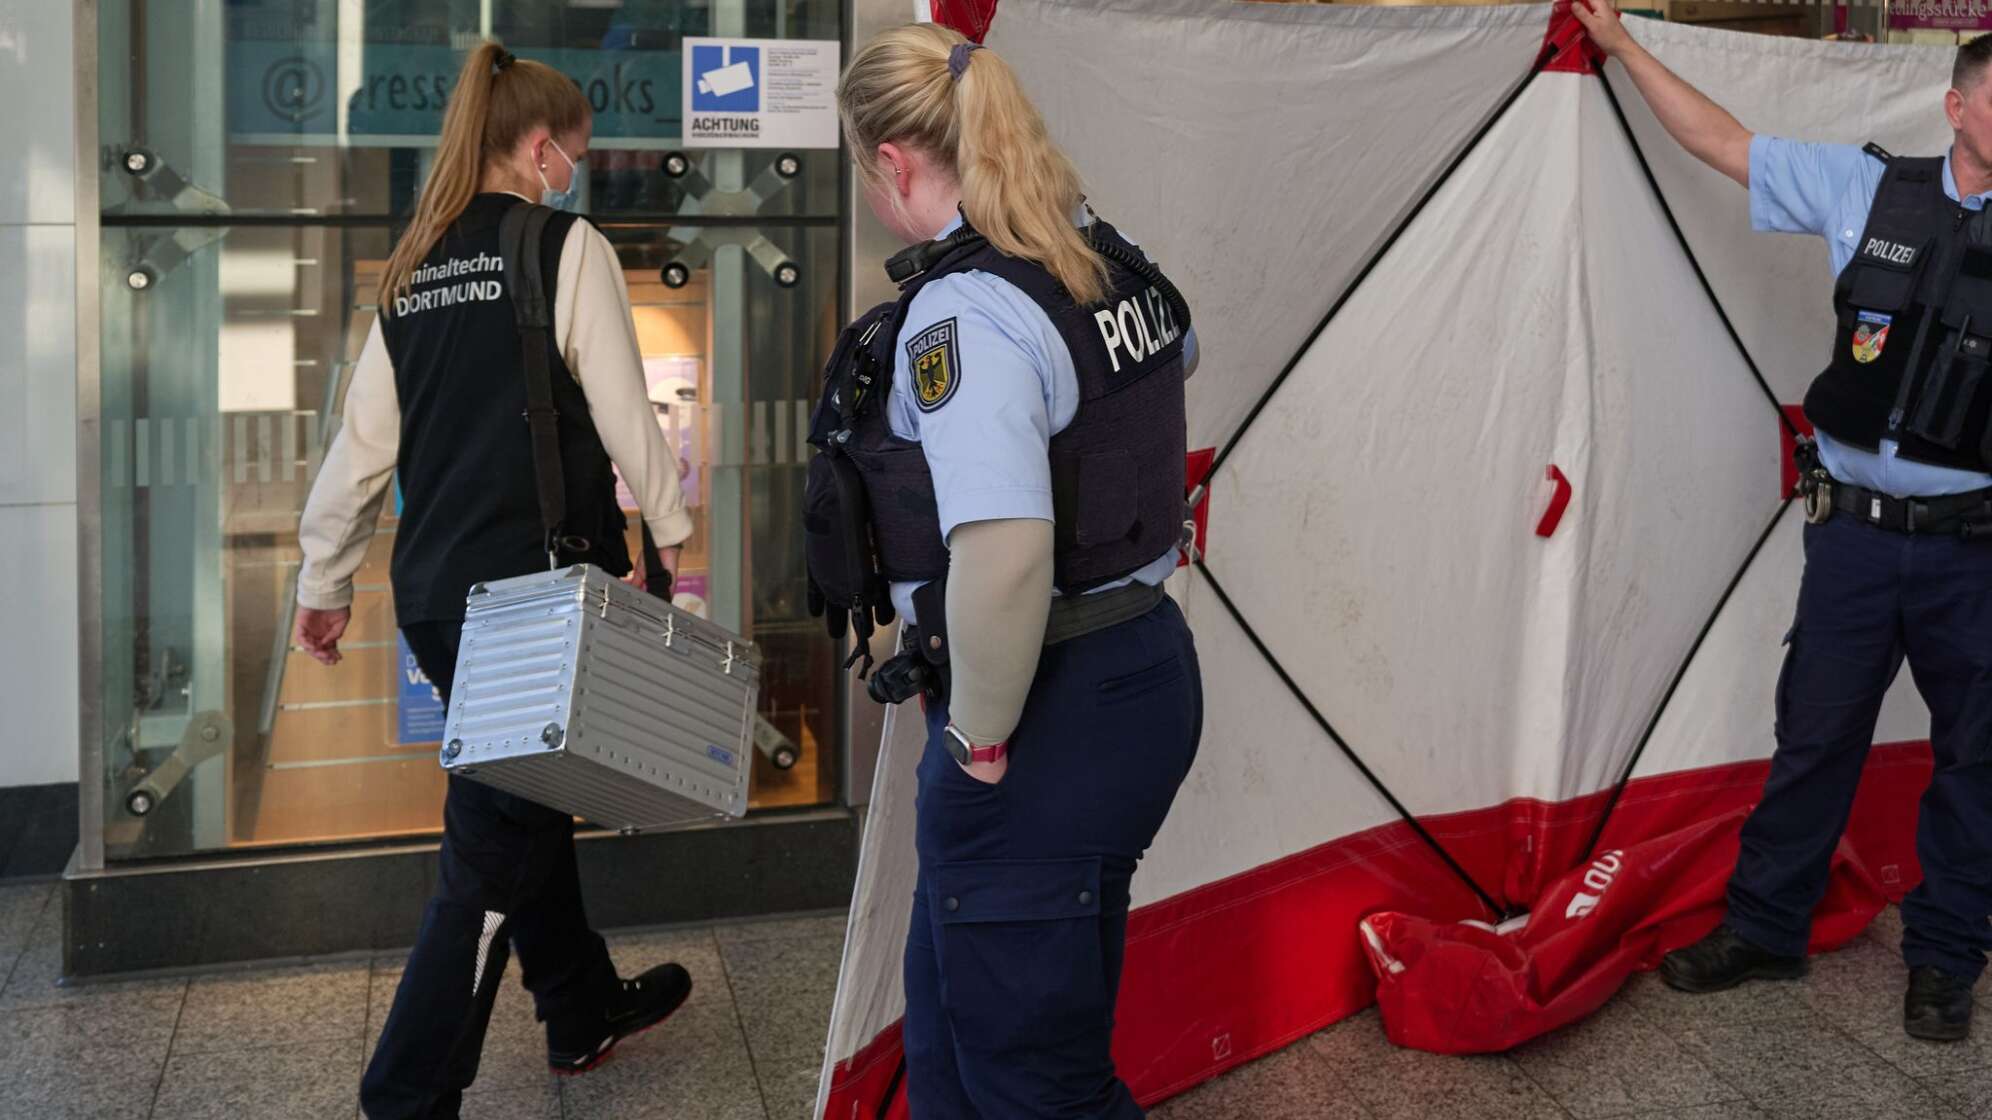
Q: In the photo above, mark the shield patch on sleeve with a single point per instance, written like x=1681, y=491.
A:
x=936, y=365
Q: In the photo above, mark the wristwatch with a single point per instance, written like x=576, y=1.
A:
x=965, y=752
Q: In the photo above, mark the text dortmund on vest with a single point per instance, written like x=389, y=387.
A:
x=465, y=291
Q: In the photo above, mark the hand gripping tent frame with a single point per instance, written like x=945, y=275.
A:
x=1500, y=544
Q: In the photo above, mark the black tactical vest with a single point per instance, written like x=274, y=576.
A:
x=470, y=510
x=1117, y=469
x=1915, y=327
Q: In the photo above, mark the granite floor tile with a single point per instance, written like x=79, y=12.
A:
x=784, y=989
x=1889, y=1096
x=1291, y=1082
x=274, y=1007
x=136, y=1021
x=817, y=927
x=1856, y=985
x=1773, y=1065
x=1398, y=1084
x=93, y=1083
x=1968, y=1093
x=542, y=1103
x=21, y=906
x=1920, y=1059
x=1733, y=1110
x=1615, y=1063
x=789, y=1092
x=296, y=1082
x=37, y=977
x=1859, y=989
x=1759, y=1001
x=1886, y=929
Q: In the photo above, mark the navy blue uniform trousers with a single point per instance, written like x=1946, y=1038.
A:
x=1020, y=913
x=1870, y=598
x=507, y=879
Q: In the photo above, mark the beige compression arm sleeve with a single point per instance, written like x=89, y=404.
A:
x=999, y=597
x=591, y=320
x=344, y=506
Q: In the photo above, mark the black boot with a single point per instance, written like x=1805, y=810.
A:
x=1723, y=960
x=1937, y=1006
x=636, y=1006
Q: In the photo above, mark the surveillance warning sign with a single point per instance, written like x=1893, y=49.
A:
x=761, y=93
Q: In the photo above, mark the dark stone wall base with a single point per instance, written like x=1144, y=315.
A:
x=197, y=915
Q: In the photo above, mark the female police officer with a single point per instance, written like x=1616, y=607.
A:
x=1025, y=484
x=437, y=399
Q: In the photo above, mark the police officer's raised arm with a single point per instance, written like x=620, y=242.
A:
x=591, y=321
x=1698, y=124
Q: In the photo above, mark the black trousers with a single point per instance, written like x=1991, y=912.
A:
x=1019, y=928
x=1869, y=600
x=507, y=880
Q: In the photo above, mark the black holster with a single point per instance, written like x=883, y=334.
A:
x=921, y=666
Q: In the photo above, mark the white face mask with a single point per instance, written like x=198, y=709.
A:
x=560, y=200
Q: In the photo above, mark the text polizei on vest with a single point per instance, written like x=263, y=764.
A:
x=1139, y=326
x=463, y=291
x=1894, y=252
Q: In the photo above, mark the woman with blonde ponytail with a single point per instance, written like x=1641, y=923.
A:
x=437, y=403
x=1024, y=473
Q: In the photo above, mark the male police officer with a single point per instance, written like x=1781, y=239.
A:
x=1894, y=568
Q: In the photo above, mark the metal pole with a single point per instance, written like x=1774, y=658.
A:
x=89, y=455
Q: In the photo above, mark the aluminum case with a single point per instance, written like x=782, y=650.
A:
x=589, y=695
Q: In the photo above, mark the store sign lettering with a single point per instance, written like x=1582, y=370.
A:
x=1948, y=15
x=286, y=91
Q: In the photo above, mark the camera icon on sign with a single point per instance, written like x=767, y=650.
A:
x=728, y=79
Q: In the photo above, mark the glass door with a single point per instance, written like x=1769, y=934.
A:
x=258, y=158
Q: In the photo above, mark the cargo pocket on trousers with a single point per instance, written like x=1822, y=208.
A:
x=1020, y=952
x=1781, y=699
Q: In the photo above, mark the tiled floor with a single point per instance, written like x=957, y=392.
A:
x=289, y=1044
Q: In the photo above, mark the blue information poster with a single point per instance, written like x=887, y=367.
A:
x=420, y=703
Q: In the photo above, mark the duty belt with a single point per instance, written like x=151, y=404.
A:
x=921, y=666
x=1967, y=515
x=1075, y=616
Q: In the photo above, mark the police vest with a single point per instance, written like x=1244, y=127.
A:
x=470, y=509
x=1117, y=469
x=1915, y=327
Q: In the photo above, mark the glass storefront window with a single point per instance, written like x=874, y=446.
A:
x=257, y=158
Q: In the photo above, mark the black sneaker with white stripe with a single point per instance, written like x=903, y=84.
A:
x=637, y=1006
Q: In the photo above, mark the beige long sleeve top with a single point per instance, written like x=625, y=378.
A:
x=998, y=604
x=592, y=327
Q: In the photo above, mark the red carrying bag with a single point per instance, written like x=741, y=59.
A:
x=1472, y=988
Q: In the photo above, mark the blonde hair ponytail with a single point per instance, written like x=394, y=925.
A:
x=1017, y=188
x=497, y=99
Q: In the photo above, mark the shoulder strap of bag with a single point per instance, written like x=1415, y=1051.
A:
x=521, y=233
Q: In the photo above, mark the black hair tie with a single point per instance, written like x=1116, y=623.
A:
x=505, y=61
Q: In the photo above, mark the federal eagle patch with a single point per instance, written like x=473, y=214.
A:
x=936, y=365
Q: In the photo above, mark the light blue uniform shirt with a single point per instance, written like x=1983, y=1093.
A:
x=1827, y=189
x=988, y=443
